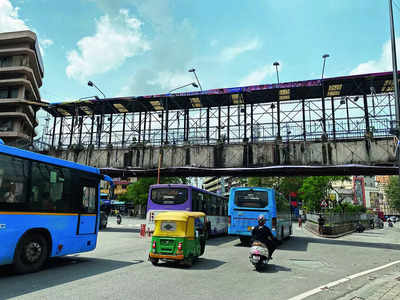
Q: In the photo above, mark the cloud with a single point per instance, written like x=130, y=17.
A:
x=257, y=76
x=384, y=63
x=230, y=53
x=46, y=43
x=9, y=20
x=117, y=38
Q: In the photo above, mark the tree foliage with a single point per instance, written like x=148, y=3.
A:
x=317, y=188
x=283, y=184
x=392, y=192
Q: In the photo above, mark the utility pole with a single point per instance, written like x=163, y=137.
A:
x=395, y=130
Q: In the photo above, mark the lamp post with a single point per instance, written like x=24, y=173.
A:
x=193, y=70
x=90, y=83
x=278, y=106
x=181, y=87
x=395, y=82
x=325, y=56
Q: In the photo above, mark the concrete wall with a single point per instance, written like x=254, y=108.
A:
x=238, y=155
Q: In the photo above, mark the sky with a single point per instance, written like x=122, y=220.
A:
x=137, y=47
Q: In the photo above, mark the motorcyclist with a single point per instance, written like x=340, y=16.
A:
x=264, y=235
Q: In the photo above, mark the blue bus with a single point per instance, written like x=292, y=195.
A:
x=247, y=203
x=48, y=207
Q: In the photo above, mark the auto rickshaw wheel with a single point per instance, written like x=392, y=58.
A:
x=154, y=261
x=188, y=262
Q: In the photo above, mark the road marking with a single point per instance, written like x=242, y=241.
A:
x=337, y=282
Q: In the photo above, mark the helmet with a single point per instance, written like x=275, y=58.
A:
x=261, y=220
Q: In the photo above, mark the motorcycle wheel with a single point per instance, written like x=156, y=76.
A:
x=259, y=266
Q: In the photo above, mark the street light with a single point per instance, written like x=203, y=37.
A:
x=193, y=70
x=325, y=56
x=278, y=108
x=276, y=64
x=181, y=87
x=90, y=83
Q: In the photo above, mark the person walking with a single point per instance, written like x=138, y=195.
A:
x=321, y=223
x=300, y=221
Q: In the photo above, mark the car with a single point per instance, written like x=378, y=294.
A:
x=103, y=219
x=393, y=219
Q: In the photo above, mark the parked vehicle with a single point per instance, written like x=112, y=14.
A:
x=259, y=255
x=178, y=236
x=393, y=219
x=390, y=223
x=360, y=227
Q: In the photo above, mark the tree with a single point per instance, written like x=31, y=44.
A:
x=285, y=185
x=317, y=188
x=392, y=191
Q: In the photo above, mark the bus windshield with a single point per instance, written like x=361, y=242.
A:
x=169, y=195
x=251, y=198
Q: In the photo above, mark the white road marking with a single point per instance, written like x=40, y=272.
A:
x=337, y=282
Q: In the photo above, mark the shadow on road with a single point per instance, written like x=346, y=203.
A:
x=301, y=243
x=271, y=268
x=199, y=264
x=217, y=241
x=57, y=271
x=121, y=229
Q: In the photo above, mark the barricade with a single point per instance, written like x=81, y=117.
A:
x=142, y=230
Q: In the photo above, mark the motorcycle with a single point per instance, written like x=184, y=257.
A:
x=360, y=228
x=259, y=255
x=390, y=223
x=119, y=219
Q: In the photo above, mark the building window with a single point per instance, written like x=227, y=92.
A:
x=6, y=125
x=5, y=61
x=10, y=92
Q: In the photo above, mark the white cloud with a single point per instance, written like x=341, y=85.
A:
x=384, y=63
x=116, y=39
x=257, y=76
x=9, y=20
x=46, y=43
x=232, y=52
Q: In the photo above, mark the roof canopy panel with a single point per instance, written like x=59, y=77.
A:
x=310, y=89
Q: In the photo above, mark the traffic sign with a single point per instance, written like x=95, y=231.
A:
x=324, y=204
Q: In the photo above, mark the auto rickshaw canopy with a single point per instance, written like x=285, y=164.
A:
x=176, y=223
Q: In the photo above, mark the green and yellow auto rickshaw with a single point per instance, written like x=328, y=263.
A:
x=178, y=236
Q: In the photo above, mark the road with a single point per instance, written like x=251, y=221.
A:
x=118, y=268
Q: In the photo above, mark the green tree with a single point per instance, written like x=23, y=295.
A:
x=316, y=188
x=283, y=184
x=392, y=192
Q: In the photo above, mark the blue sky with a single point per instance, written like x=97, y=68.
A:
x=136, y=47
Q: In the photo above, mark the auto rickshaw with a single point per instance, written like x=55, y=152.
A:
x=178, y=236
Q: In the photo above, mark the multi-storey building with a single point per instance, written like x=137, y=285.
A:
x=21, y=73
x=221, y=185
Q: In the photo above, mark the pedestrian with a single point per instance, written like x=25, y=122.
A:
x=321, y=223
x=300, y=221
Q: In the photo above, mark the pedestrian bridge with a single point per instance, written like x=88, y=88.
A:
x=334, y=121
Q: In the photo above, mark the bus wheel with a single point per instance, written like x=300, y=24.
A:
x=31, y=253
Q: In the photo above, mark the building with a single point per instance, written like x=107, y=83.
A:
x=21, y=73
x=221, y=185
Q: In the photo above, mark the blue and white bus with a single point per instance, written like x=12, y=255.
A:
x=48, y=207
x=247, y=203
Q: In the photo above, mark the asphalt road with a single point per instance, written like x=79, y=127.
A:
x=118, y=268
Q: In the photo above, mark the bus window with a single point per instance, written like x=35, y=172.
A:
x=13, y=182
x=251, y=198
x=89, y=199
x=169, y=195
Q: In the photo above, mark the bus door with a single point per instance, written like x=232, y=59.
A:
x=87, y=221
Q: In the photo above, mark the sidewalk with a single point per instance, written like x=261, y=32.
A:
x=326, y=235
x=379, y=285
